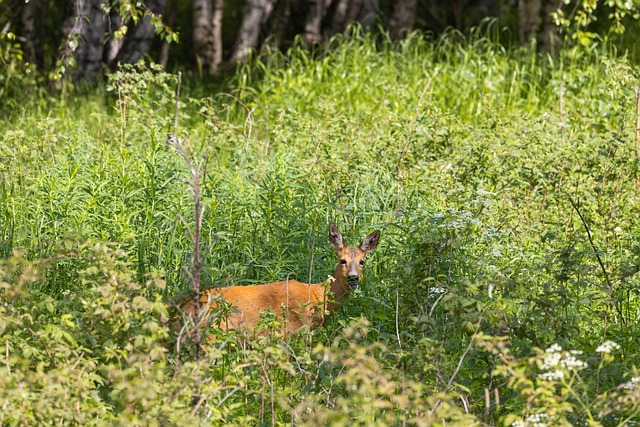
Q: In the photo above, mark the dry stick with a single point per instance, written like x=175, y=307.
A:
x=562, y=124
x=198, y=210
x=175, y=114
x=637, y=117
x=397, y=316
x=637, y=127
x=7, y=359
x=595, y=251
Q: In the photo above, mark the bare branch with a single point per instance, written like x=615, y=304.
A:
x=596, y=252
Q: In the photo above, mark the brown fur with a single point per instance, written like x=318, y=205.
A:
x=300, y=304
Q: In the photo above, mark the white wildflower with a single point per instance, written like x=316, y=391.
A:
x=555, y=348
x=538, y=420
x=632, y=385
x=551, y=375
x=556, y=360
x=571, y=363
x=607, y=347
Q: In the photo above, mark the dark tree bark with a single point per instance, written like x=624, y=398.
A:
x=363, y=11
x=28, y=21
x=83, y=36
x=138, y=39
x=528, y=20
x=338, y=18
x=549, y=32
x=218, y=9
x=348, y=12
x=256, y=14
x=114, y=44
x=207, y=33
x=401, y=19
x=313, y=23
x=535, y=23
x=279, y=20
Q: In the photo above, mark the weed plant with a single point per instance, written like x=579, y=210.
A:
x=487, y=301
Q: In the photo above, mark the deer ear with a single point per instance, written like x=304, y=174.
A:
x=370, y=242
x=335, y=237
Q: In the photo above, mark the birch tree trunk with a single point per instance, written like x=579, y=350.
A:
x=83, y=35
x=549, y=31
x=313, y=24
x=347, y=12
x=401, y=20
x=528, y=20
x=256, y=14
x=535, y=22
x=279, y=19
x=207, y=33
x=28, y=21
x=137, y=41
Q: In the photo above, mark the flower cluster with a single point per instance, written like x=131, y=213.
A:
x=632, y=385
x=607, y=347
x=533, y=420
x=557, y=362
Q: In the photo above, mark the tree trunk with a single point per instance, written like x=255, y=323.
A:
x=216, y=24
x=114, y=44
x=365, y=12
x=347, y=12
x=528, y=20
x=313, y=24
x=338, y=20
x=256, y=14
x=401, y=20
x=207, y=33
x=138, y=39
x=353, y=12
x=28, y=21
x=535, y=22
x=549, y=31
x=83, y=34
x=279, y=20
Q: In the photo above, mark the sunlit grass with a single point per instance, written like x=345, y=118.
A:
x=462, y=152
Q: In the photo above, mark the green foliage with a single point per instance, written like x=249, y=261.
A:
x=465, y=155
x=577, y=19
x=17, y=78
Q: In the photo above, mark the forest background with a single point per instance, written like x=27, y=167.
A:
x=495, y=144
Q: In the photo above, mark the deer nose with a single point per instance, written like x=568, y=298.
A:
x=352, y=279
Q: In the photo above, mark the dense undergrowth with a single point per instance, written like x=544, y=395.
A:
x=503, y=292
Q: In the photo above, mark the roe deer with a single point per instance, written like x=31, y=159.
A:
x=300, y=303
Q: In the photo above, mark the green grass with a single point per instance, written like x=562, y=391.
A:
x=463, y=153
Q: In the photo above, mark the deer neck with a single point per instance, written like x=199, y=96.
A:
x=339, y=291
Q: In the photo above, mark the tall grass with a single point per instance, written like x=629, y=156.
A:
x=463, y=152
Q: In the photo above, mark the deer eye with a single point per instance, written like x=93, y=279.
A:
x=361, y=262
x=343, y=261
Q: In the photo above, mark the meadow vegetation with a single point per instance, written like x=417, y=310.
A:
x=504, y=290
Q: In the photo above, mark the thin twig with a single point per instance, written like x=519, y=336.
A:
x=455, y=373
x=175, y=114
x=7, y=359
x=637, y=115
x=562, y=124
x=174, y=141
x=595, y=251
x=397, y=317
